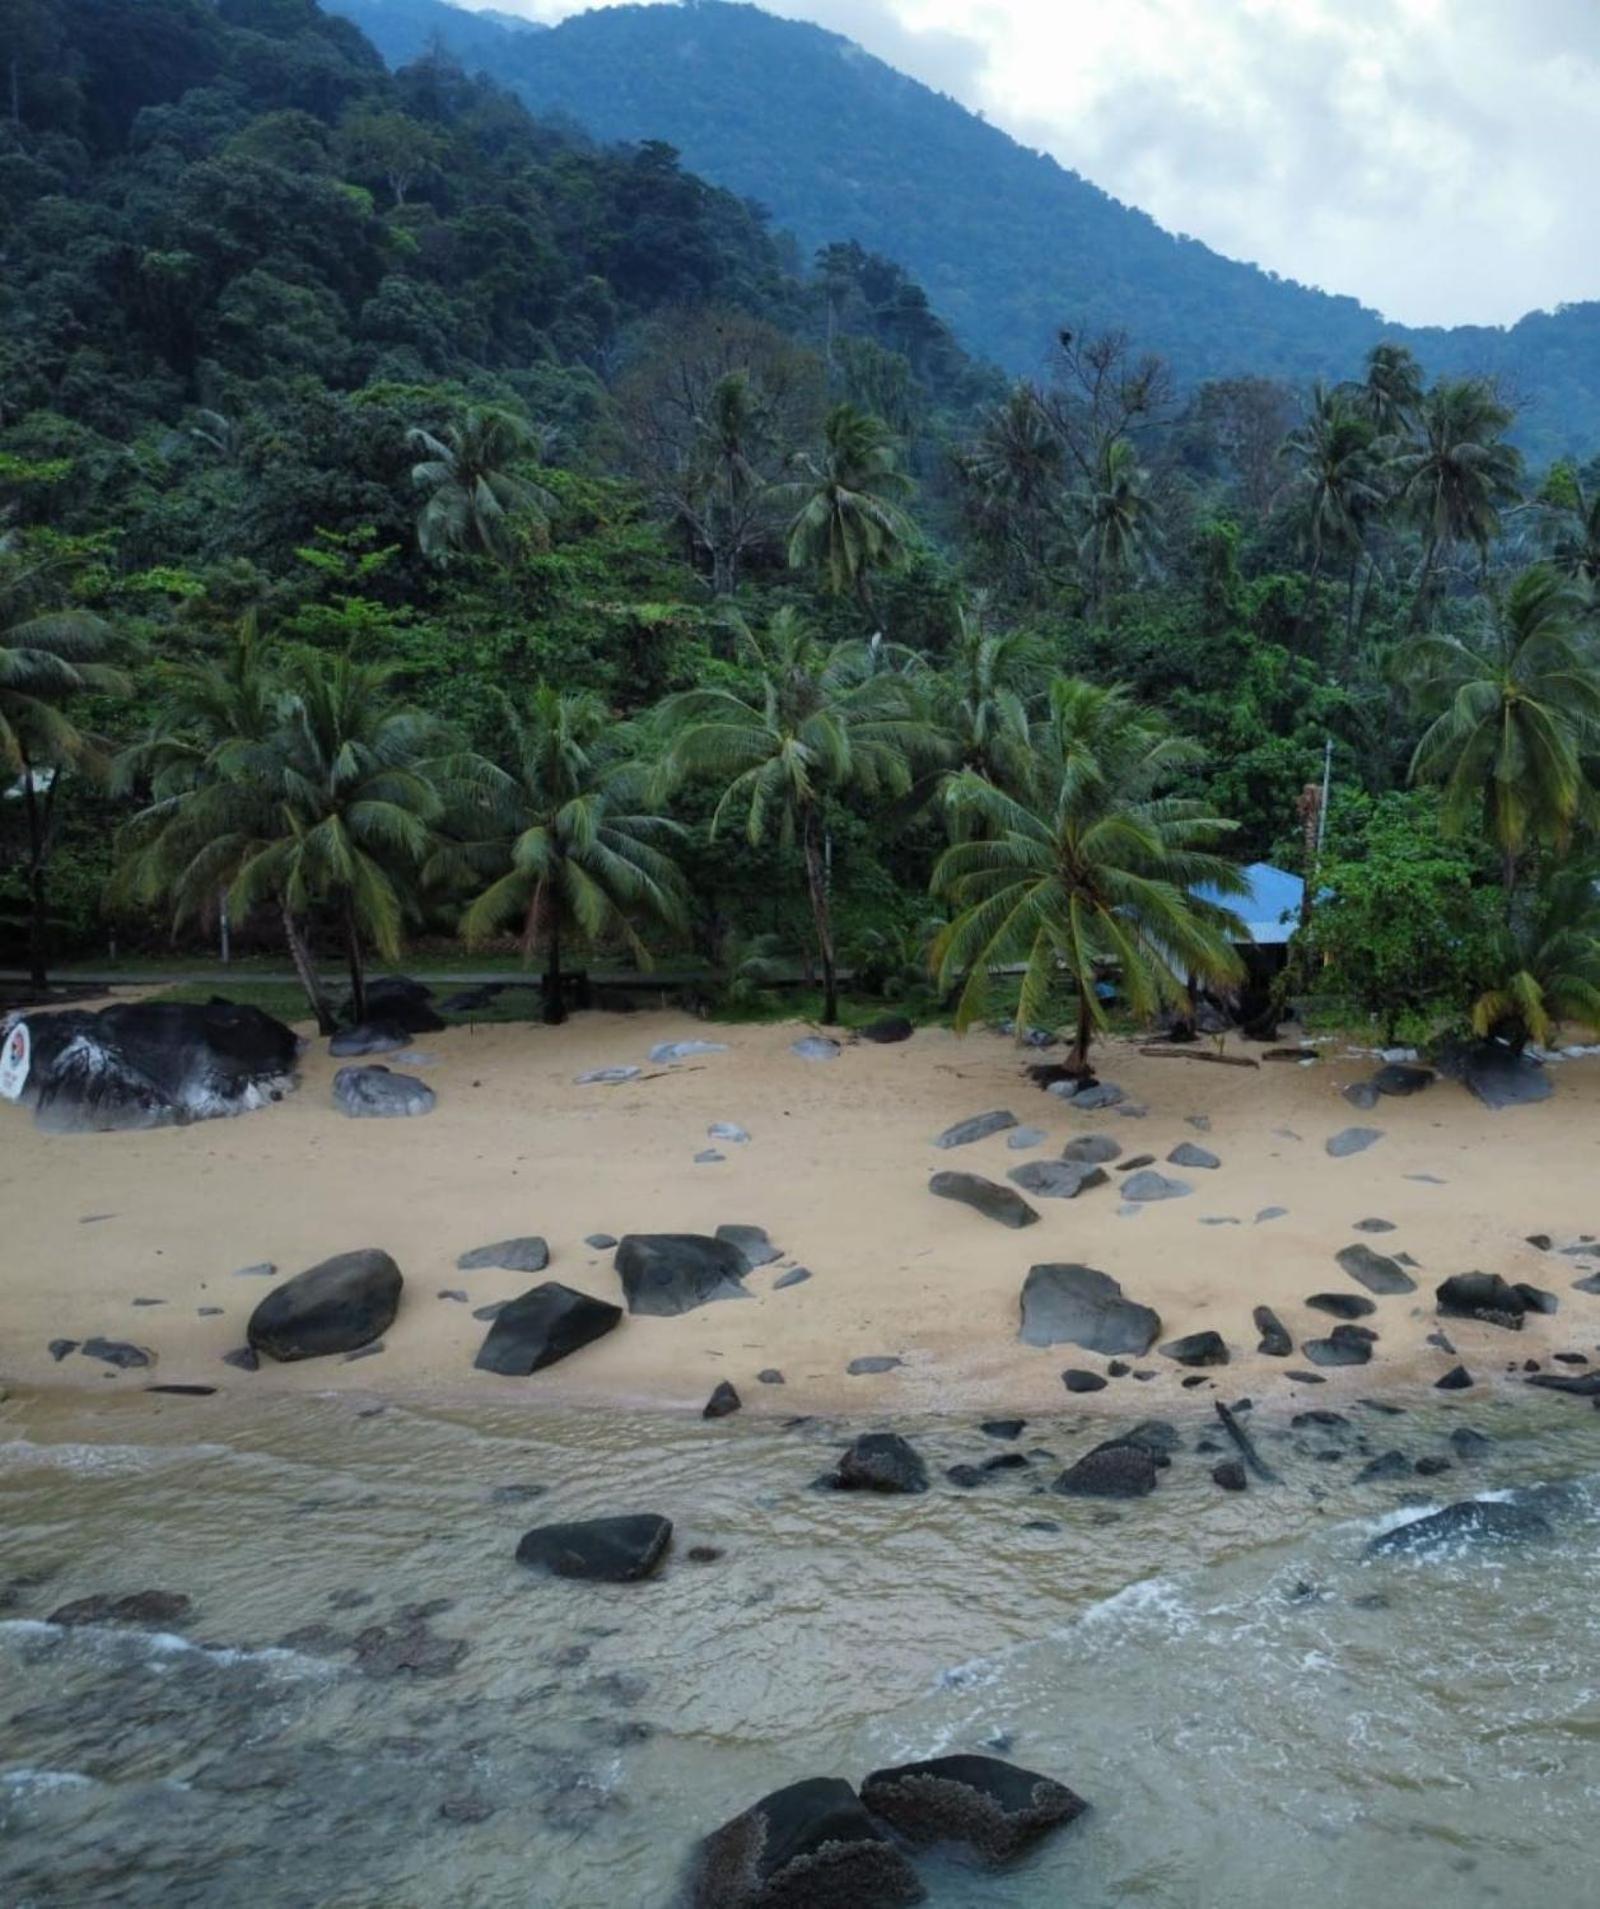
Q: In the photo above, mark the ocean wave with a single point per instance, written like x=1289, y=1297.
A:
x=159, y=1644
x=100, y=1461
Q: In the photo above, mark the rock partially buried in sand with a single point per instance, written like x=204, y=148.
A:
x=871, y=1362
x=1351, y=1140
x=664, y=1274
x=809, y=1846
x=753, y=1244
x=600, y=1550
x=1120, y=1468
x=335, y=1306
x=373, y=1093
x=1147, y=1185
x=1057, y=1179
x=723, y=1402
x=994, y=1202
x=815, y=1047
x=1091, y=1150
x=1345, y=1345
x=530, y=1254
x=1376, y=1271
x=120, y=1353
x=1187, y=1154
x=1342, y=1305
x=1077, y=1305
x=1495, y=1075
x=1197, y=1349
x=879, y=1461
x=1089, y=1100
x=978, y=1127
x=1275, y=1340
x=992, y=1808
x=1020, y=1138
x=539, y=1327
x=1470, y=1521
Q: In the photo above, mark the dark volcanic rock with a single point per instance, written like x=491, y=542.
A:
x=529, y=1254
x=879, y=1461
x=887, y=1029
x=1482, y=1296
x=1091, y=1150
x=373, y=1093
x=1275, y=1340
x=1469, y=1445
x=1057, y=1179
x=1119, y=1468
x=992, y=1808
x=984, y=1196
x=809, y=1846
x=345, y=1302
x=1457, y=1379
x=1229, y=1475
x=541, y=1326
x=1342, y=1305
x=603, y=1550
x=965, y=1477
x=1079, y=1381
x=1345, y=1345
x=151, y=1064
x=1497, y=1076
x=371, y=1037
x=979, y=1127
x=1196, y=1349
x=1470, y=1521
x=1351, y=1140
x=1399, y=1080
x=157, y=1610
x=1376, y=1271
x=1583, y=1385
x=1385, y=1467
x=669, y=1273
x=117, y=1352
x=1003, y=1427
x=1076, y=1305
x=723, y=1401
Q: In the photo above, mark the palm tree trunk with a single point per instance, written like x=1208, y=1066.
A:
x=555, y=1009
x=38, y=901
x=817, y=882
x=306, y=969
x=1424, y=584
x=1085, y=1033
x=353, y=960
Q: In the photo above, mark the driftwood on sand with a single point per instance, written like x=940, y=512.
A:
x=1158, y=1053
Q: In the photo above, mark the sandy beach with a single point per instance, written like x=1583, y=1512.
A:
x=836, y=1169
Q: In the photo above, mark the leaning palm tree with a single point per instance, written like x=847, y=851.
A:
x=817, y=721
x=1454, y=477
x=1547, y=963
x=1514, y=709
x=50, y=657
x=561, y=843
x=1337, y=483
x=848, y=518
x=1090, y=863
x=1121, y=533
x=472, y=493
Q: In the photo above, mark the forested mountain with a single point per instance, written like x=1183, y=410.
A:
x=1009, y=245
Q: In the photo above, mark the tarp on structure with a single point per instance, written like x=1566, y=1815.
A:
x=1271, y=910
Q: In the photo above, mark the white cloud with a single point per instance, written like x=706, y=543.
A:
x=1431, y=157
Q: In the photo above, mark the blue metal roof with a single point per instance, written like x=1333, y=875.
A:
x=1271, y=910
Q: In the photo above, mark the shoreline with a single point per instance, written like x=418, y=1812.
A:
x=836, y=1169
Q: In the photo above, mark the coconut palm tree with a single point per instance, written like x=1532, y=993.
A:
x=979, y=694
x=1514, y=708
x=1391, y=393
x=1453, y=478
x=1547, y=966
x=1014, y=473
x=848, y=518
x=818, y=720
x=1121, y=533
x=563, y=835
x=471, y=491
x=1337, y=483
x=51, y=656
x=1089, y=862
x=1572, y=516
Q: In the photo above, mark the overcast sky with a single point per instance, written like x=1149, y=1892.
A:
x=1436, y=158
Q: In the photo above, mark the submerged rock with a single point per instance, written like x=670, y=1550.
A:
x=548, y=1323
x=601, y=1550
x=994, y=1809
x=336, y=1306
x=810, y=1845
x=1119, y=1468
x=148, y=1610
x=1471, y=1521
x=879, y=1461
x=1068, y=1304
x=664, y=1274
x=994, y=1202
x=374, y=1093
x=978, y=1127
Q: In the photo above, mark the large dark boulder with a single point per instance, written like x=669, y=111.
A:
x=1471, y=1521
x=1079, y=1306
x=879, y=1461
x=343, y=1303
x=994, y=1809
x=145, y=1064
x=669, y=1273
x=994, y=1202
x=809, y=1846
x=1120, y=1468
x=548, y=1323
x=602, y=1550
x=1495, y=1073
x=1482, y=1296
x=374, y=1093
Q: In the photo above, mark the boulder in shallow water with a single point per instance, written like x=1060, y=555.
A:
x=664, y=1274
x=808, y=1846
x=879, y=1461
x=1119, y=1468
x=529, y=1254
x=601, y=1550
x=371, y=1037
x=541, y=1326
x=144, y=1064
x=994, y=1809
x=149, y=1610
x=1470, y=1521
x=336, y=1306
x=993, y=1201
x=374, y=1093
x=1077, y=1305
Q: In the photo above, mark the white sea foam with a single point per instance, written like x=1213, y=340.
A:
x=102, y=1461
x=162, y=1644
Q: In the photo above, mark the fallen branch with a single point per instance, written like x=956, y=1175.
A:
x=1247, y=1450
x=1198, y=1054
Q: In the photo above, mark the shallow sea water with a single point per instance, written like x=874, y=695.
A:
x=1256, y=1714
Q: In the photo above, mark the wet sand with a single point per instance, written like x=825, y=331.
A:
x=836, y=1169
